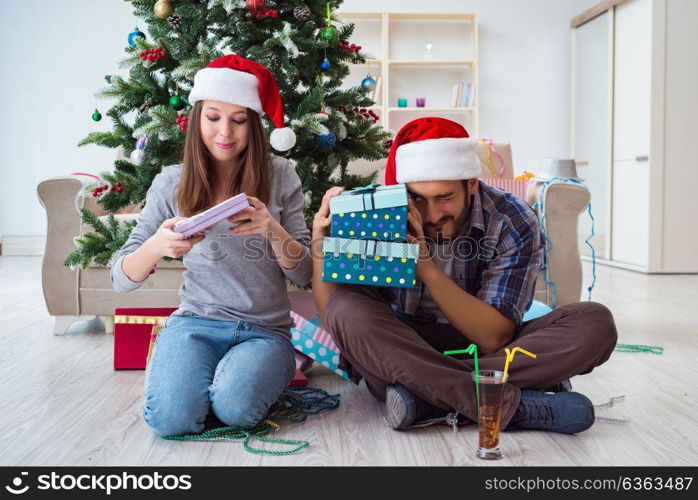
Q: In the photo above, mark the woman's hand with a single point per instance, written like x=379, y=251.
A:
x=255, y=219
x=323, y=218
x=166, y=243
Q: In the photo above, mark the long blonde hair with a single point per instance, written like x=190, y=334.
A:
x=196, y=192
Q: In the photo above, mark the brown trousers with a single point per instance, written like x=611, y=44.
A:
x=387, y=349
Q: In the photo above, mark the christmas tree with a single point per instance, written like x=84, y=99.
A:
x=302, y=42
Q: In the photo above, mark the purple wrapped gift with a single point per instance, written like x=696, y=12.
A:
x=212, y=216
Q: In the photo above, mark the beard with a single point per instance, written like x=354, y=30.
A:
x=439, y=236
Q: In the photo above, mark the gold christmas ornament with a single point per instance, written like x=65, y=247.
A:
x=163, y=9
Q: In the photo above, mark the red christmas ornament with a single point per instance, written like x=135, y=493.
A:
x=344, y=45
x=255, y=5
x=182, y=121
x=152, y=55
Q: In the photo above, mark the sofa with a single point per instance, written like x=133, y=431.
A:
x=76, y=294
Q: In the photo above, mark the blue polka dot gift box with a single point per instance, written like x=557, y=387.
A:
x=370, y=213
x=308, y=336
x=369, y=262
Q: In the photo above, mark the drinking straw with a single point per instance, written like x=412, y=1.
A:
x=639, y=348
x=510, y=357
x=471, y=349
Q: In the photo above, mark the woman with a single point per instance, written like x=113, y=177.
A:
x=227, y=348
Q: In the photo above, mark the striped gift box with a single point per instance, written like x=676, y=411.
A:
x=308, y=336
x=517, y=188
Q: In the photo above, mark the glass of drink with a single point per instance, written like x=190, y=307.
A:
x=490, y=390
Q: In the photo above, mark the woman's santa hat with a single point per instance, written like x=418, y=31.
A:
x=432, y=149
x=237, y=80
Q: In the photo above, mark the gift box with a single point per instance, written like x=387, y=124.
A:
x=515, y=187
x=299, y=379
x=132, y=331
x=372, y=213
x=308, y=337
x=367, y=262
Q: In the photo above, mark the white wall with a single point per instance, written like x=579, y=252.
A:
x=54, y=59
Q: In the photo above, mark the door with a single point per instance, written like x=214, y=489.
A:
x=631, y=132
x=591, y=141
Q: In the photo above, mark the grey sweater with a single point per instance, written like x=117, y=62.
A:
x=229, y=277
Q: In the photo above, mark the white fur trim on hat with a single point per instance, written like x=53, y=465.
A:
x=282, y=139
x=444, y=159
x=227, y=85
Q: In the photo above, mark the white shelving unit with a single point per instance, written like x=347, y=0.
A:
x=397, y=41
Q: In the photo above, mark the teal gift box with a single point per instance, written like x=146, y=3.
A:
x=371, y=213
x=369, y=262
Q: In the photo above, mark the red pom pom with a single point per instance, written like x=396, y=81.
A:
x=118, y=184
x=118, y=190
x=163, y=54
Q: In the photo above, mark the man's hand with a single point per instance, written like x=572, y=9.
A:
x=323, y=218
x=415, y=235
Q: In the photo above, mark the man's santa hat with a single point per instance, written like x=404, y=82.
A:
x=237, y=80
x=432, y=149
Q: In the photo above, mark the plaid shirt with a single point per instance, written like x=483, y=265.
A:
x=497, y=257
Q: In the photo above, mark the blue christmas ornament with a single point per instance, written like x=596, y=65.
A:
x=133, y=35
x=326, y=141
x=369, y=83
x=325, y=65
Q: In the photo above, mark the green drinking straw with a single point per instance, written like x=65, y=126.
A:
x=639, y=348
x=472, y=349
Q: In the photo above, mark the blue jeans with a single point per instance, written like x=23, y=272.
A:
x=232, y=367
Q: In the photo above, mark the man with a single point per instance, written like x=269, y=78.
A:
x=480, y=254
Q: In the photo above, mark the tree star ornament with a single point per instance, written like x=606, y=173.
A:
x=163, y=9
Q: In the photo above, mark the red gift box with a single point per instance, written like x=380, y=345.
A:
x=299, y=380
x=132, y=329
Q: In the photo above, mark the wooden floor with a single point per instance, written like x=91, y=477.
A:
x=63, y=404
